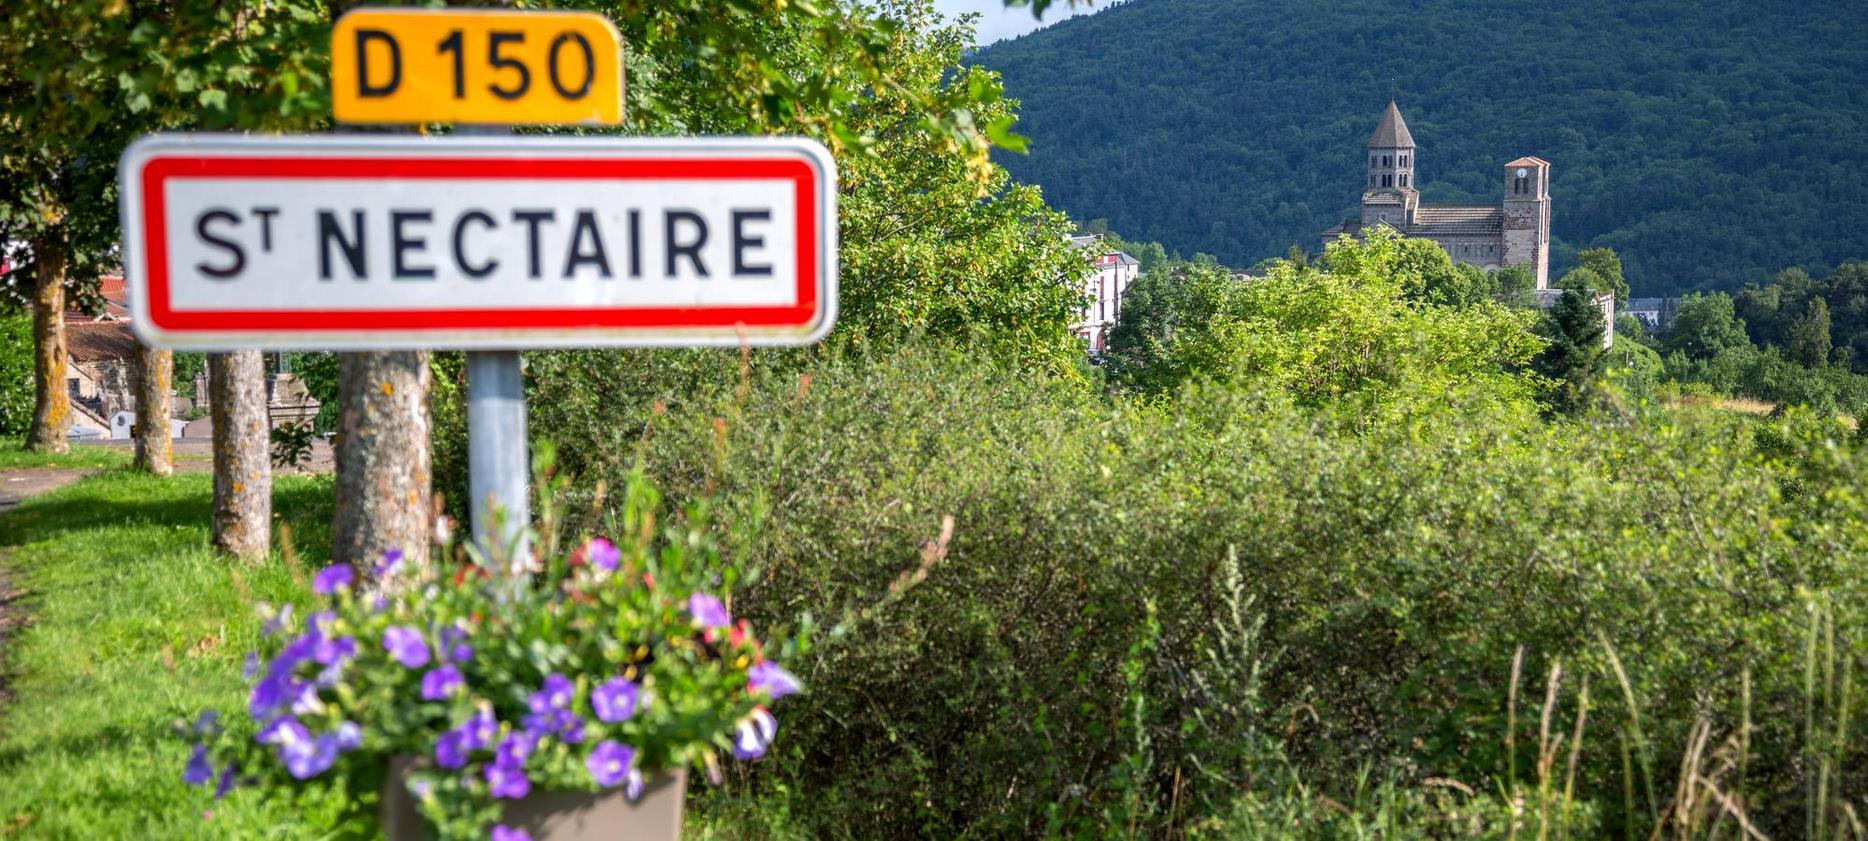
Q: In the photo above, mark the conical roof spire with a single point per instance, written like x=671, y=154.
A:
x=1392, y=133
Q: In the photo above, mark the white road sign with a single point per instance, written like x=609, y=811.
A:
x=505, y=242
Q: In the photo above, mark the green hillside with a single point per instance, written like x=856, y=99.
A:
x=1710, y=143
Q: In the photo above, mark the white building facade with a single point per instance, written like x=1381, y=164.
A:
x=1103, y=291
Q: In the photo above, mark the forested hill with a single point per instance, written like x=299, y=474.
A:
x=1709, y=142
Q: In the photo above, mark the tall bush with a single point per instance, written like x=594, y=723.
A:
x=15, y=374
x=1056, y=670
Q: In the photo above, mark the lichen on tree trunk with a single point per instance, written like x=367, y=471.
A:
x=384, y=466
x=154, y=374
x=51, y=409
x=242, y=462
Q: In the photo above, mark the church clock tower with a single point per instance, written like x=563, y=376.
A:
x=1527, y=217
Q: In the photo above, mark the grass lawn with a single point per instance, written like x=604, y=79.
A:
x=13, y=456
x=134, y=625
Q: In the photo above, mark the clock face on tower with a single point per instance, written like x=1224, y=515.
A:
x=1523, y=172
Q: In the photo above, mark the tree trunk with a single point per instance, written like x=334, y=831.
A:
x=154, y=375
x=384, y=467
x=51, y=408
x=242, y=463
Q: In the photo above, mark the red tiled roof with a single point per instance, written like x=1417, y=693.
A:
x=116, y=302
x=99, y=341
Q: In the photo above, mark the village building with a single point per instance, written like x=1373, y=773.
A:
x=1513, y=232
x=1654, y=313
x=1103, y=291
x=100, y=350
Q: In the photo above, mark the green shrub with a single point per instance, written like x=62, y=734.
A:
x=16, y=373
x=1059, y=670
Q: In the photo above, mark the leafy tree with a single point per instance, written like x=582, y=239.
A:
x=1573, y=359
x=1514, y=285
x=1807, y=340
x=1156, y=309
x=1584, y=279
x=1423, y=269
x=1351, y=334
x=1607, y=266
x=933, y=244
x=1705, y=326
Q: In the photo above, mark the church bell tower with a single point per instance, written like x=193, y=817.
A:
x=1527, y=217
x=1391, y=196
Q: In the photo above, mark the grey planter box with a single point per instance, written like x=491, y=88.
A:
x=560, y=815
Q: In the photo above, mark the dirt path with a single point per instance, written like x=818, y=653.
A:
x=16, y=485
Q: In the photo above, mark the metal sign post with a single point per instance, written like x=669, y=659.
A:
x=497, y=465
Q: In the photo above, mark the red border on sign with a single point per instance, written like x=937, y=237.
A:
x=160, y=169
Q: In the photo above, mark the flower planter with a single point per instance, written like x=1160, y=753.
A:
x=558, y=815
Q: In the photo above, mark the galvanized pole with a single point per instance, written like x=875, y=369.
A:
x=497, y=463
x=496, y=454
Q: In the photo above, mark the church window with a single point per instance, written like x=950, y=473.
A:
x=1404, y=179
x=1387, y=160
x=1388, y=181
x=1404, y=160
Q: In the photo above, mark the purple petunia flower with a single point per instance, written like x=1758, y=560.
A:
x=275, y=622
x=514, y=749
x=609, y=763
x=603, y=554
x=479, y=730
x=349, y=736
x=508, y=780
x=566, y=725
x=441, y=682
x=555, y=694
x=329, y=676
x=281, y=731
x=307, y=758
x=502, y=832
x=406, y=645
x=392, y=561
x=198, y=771
x=708, y=612
x=614, y=701
x=206, y=724
x=570, y=728
x=333, y=578
x=306, y=701
x=269, y=695
x=327, y=652
x=767, y=677
x=226, y=782
x=453, y=641
x=451, y=749
x=754, y=735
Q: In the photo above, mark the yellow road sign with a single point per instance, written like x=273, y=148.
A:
x=460, y=66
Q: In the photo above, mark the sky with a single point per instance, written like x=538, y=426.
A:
x=998, y=22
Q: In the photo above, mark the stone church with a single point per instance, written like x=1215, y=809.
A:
x=1514, y=232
